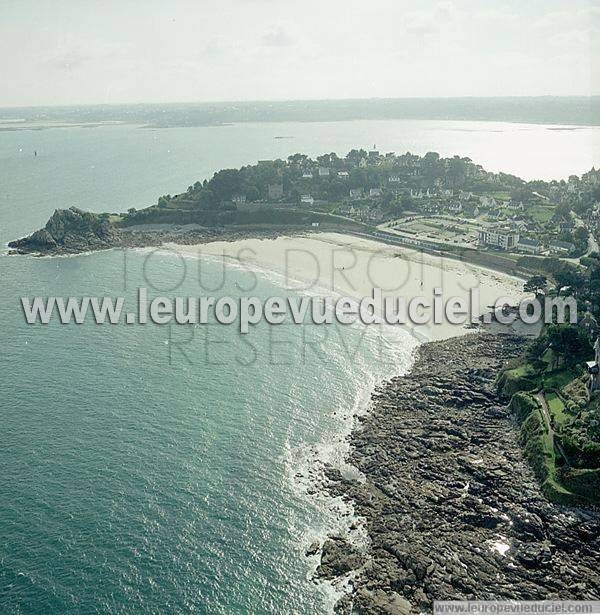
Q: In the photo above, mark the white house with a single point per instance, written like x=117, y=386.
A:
x=529, y=246
x=306, y=199
x=505, y=239
x=323, y=172
x=561, y=247
x=594, y=369
x=374, y=192
x=488, y=201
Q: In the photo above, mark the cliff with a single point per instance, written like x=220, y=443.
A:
x=69, y=231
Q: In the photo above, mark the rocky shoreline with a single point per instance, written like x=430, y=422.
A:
x=452, y=509
x=72, y=231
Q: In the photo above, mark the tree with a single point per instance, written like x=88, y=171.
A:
x=570, y=277
x=536, y=284
x=569, y=342
x=298, y=159
x=226, y=183
x=576, y=343
x=207, y=199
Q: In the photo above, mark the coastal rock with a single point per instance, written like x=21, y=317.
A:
x=73, y=231
x=313, y=549
x=338, y=557
x=69, y=231
x=451, y=506
x=379, y=602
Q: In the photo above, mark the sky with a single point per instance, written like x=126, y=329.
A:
x=55, y=52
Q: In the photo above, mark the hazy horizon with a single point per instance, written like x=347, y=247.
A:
x=549, y=110
x=299, y=100
x=72, y=53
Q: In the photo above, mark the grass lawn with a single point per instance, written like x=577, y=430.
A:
x=540, y=213
x=557, y=409
x=521, y=371
x=558, y=378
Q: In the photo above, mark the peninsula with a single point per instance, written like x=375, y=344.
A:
x=446, y=205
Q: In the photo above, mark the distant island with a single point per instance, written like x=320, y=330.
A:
x=573, y=111
x=545, y=232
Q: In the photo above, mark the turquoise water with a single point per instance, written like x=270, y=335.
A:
x=158, y=469
x=147, y=469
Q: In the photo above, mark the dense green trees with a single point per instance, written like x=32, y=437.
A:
x=537, y=284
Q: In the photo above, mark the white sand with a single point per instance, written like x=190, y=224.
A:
x=333, y=264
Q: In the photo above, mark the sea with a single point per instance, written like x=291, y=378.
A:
x=158, y=469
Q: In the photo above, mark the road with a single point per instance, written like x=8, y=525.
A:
x=592, y=243
x=541, y=398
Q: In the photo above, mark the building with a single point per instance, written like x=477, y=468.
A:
x=306, y=199
x=565, y=226
x=350, y=211
x=374, y=192
x=488, y=201
x=503, y=238
x=356, y=193
x=589, y=324
x=307, y=175
x=529, y=246
x=561, y=247
x=238, y=199
x=343, y=174
x=323, y=172
x=594, y=369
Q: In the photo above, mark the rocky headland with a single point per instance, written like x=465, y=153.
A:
x=73, y=231
x=452, y=508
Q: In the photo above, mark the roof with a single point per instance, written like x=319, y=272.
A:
x=562, y=244
x=529, y=242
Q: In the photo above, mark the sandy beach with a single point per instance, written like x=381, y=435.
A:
x=335, y=264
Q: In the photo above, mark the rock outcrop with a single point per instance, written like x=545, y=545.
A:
x=73, y=231
x=69, y=231
x=452, y=508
